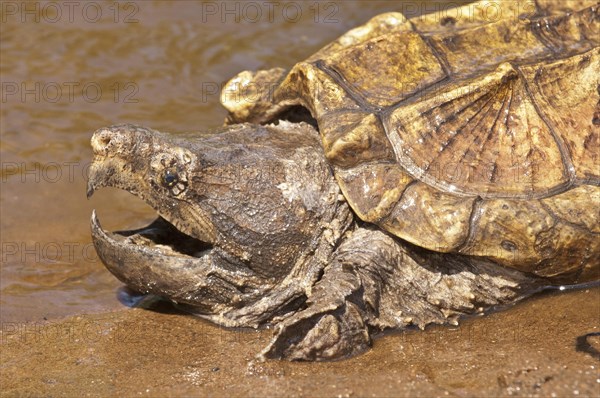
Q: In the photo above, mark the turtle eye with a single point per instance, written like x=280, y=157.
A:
x=170, y=178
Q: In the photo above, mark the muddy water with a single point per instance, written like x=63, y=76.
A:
x=68, y=68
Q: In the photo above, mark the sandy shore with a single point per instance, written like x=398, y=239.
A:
x=529, y=350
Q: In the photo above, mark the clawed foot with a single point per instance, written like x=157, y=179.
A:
x=314, y=335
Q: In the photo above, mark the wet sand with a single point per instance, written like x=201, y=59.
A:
x=529, y=350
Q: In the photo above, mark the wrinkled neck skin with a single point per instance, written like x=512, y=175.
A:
x=259, y=207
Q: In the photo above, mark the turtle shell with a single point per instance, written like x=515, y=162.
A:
x=467, y=133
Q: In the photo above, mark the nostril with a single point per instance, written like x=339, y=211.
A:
x=105, y=140
x=117, y=139
x=101, y=141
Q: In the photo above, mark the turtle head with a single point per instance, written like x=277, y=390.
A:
x=147, y=164
x=241, y=213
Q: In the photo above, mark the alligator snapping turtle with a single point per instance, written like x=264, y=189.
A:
x=408, y=173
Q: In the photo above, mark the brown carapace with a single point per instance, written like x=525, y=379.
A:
x=479, y=125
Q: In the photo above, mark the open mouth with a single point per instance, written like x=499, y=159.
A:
x=159, y=259
x=159, y=237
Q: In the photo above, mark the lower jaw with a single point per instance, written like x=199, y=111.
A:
x=156, y=259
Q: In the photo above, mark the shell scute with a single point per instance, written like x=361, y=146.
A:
x=565, y=93
x=352, y=138
x=319, y=92
x=377, y=188
x=482, y=137
x=404, y=62
x=441, y=227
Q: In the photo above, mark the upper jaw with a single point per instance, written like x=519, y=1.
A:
x=186, y=217
x=107, y=173
x=131, y=158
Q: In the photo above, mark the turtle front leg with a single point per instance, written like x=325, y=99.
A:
x=375, y=282
x=331, y=327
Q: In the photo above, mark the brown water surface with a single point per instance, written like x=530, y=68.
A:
x=68, y=68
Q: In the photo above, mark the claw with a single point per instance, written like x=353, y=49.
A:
x=310, y=336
